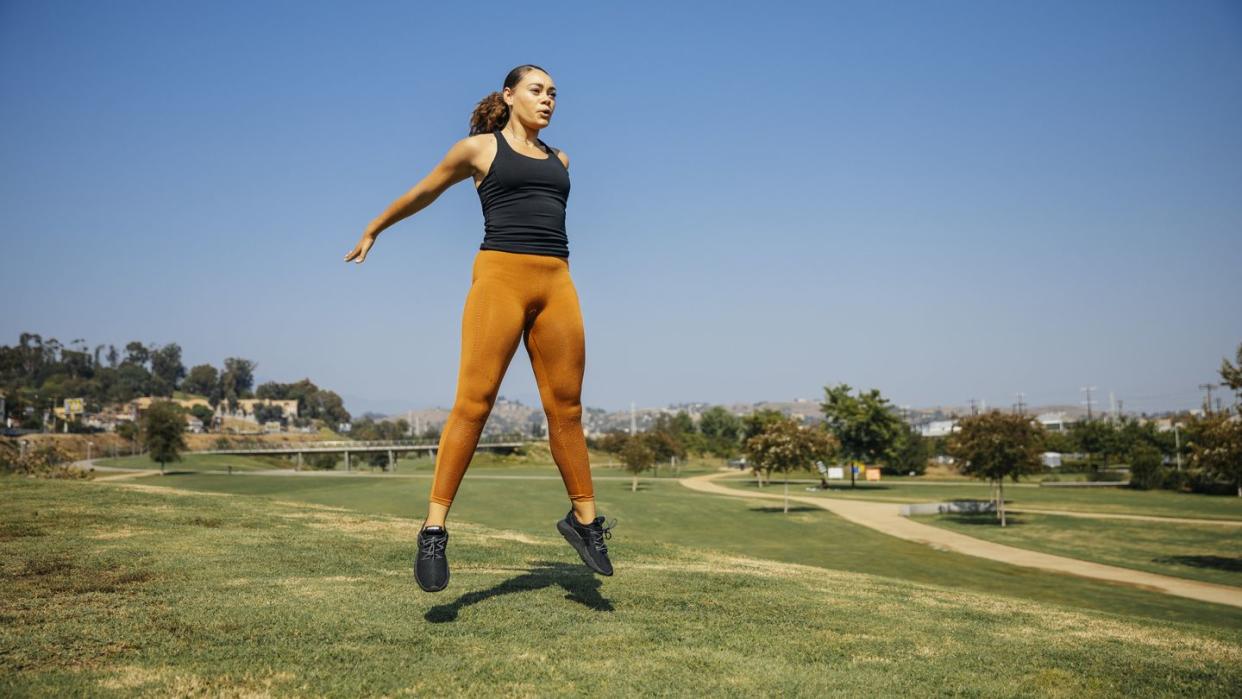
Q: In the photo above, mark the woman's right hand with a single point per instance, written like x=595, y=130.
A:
x=359, y=253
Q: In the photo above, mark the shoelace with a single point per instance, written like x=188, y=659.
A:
x=598, y=534
x=433, y=546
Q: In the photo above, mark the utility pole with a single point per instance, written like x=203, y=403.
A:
x=1088, y=389
x=1020, y=407
x=974, y=408
x=1207, y=403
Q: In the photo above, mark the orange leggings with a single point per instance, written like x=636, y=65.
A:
x=531, y=297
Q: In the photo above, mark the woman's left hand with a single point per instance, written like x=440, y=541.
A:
x=359, y=253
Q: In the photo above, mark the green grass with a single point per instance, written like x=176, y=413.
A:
x=1206, y=552
x=198, y=462
x=1159, y=503
x=663, y=511
x=115, y=589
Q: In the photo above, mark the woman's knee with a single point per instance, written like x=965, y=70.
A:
x=564, y=409
x=473, y=408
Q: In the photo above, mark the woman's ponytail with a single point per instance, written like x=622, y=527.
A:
x=491, y=113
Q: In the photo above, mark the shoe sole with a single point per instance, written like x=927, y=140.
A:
x=431, y=589
x=575, y=540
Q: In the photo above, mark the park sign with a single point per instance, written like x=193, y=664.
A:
x=832, y=473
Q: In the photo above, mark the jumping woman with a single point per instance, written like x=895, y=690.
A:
x=520, y=290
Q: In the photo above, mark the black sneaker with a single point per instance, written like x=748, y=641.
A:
x=430, y=564
x=588, y=541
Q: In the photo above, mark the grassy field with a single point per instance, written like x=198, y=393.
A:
x=1108, y=500
x=1206, y=552
x=664, y=512
x=198, y=462
x=537, y=462
x=115, y=589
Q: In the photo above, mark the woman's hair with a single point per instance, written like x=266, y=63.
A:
x=492, y=112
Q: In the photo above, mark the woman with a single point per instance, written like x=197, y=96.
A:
x=520, y=289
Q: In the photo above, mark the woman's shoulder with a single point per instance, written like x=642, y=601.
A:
x=560, y=154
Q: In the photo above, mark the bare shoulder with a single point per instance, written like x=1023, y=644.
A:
x=471, y=154
x=564, y=158
x=471, y=147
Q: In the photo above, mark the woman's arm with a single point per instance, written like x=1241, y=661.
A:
x=457, y=165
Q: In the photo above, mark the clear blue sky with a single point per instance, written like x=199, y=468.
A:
x=943, y=201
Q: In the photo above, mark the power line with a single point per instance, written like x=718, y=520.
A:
x=1088, y=389
x=1207, y=403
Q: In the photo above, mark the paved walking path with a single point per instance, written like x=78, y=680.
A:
x=885, y=517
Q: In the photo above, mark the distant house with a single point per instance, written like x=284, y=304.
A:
x=937, y=428
x=1055, y=421
x=138, y=406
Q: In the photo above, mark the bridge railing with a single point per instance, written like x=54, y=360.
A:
x=354, y=444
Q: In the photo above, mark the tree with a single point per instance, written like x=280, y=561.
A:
x=720, y=429
x=612, y=442
x=1146, y=467
x=664, y=445
x=910, y=453
x=137, y=354
x=204, y=414
x=264, y=412
x=128, y=431
x=864, y=425
x=785, y=445
x=167, y=369
x=236, y=380
x=756, y=422
x=1096, y=438
x=637, y=457
x=1231, y=374
x=1216, y=446
x=203, y=380
x=163, y=429
x=994, y=445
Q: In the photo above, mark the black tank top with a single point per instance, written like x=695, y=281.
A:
x=524, y=201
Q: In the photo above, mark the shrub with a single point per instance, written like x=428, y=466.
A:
x=1146, y=467
x=44, y=460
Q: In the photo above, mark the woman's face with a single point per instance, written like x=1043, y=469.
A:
x=533, y=100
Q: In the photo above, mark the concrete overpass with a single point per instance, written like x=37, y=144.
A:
x=348, y=447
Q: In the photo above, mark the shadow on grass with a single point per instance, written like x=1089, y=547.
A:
x=984, y=518
x=1233, y=565
x=580, y=584
x=801, y=485
x=779, y=509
